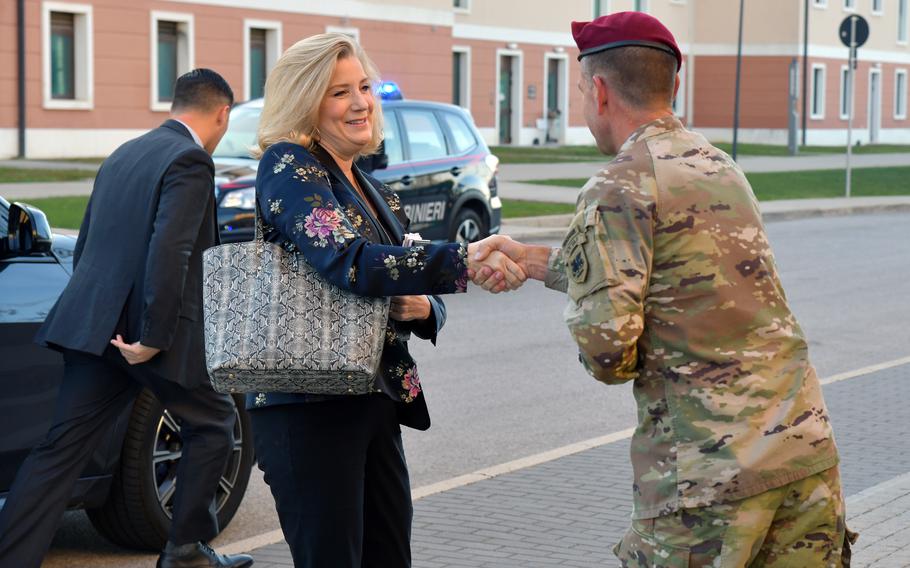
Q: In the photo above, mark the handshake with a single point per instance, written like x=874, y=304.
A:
x=499, y=264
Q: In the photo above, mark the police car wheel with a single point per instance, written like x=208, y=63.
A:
x=468, y=227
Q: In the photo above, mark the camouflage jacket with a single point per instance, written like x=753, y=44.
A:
x=672, y=285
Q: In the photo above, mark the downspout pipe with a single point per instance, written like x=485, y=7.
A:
x=805, y=67
x=20, y=65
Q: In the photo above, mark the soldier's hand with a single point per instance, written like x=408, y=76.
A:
x=491, y=268
x=134, y=353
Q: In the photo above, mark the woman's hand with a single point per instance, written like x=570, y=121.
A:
x=492, y=266
x=409, y=308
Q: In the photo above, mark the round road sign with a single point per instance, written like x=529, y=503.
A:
x=862, y=31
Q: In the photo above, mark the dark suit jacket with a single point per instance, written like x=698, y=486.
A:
x=138, y=259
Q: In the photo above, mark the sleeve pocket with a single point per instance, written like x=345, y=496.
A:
x=588, y=266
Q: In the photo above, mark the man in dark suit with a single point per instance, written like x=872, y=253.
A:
x=130, y=318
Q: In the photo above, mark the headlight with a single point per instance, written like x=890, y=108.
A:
x=240, y=199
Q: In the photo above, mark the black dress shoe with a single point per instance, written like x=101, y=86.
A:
x=201, y=555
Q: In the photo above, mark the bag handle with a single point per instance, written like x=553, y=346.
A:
x=259, y=238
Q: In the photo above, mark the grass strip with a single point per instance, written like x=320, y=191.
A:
x=809, y=184
x=67, y=212
x=22, y=175
x=61, y=212
x=512, y=208
x=554, y=154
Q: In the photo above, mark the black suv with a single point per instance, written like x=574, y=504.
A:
x=128, y=486
x=432, y=156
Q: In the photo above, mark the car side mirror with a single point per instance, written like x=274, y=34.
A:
x=28, y=231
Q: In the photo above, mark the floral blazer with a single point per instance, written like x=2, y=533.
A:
x=309, y=207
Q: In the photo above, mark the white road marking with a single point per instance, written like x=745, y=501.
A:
x=865, y=370
x=275, y=536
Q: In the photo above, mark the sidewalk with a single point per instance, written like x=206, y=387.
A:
x=568, y=512
x=749, y=164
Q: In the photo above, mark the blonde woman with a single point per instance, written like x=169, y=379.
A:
x=336, y=465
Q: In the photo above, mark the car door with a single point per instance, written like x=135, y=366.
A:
x=29, y=375
x=398, y=174
x=428, y=199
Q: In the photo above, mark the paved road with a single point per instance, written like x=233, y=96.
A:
x=503, y=382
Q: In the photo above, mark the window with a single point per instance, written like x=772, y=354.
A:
x=172, y=55
x=902, y=21
x=461, y=76
x=263, y=45
x=67, y=56
x=601, y=8
x=168, y=40
x=63, y=64
x=818, y=92
x=240, y=137
x=257, y=63
x=425, y=139
x=849, y=5
x=391, y=140
x=820, y=3
x=462, y=135
x=461, y=5
x=844, y=92
x=640, y=5
x=900, y=94
x=877, y=7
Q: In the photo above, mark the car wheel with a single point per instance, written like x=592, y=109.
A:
x=137, y=513
x=468, y=227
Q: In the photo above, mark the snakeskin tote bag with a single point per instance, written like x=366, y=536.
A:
x=273, y=324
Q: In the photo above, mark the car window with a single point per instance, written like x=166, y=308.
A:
x=462, y=134
x=241, y=133
x=4, y=219
x=425, y=138
x=392, y=139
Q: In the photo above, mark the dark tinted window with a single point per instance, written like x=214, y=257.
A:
x=167, y=60
x=392, y=139
x=63, y=59
x=462, y=134
x=425, y=138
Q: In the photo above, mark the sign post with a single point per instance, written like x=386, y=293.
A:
x=854, y=31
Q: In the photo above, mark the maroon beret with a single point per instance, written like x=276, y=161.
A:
x=624, y=29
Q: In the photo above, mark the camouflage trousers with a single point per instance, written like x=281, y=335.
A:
x=801, y=524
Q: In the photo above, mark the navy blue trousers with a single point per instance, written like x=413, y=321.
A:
x=338, y=474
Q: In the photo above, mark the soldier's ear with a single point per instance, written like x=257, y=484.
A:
x=603, y=94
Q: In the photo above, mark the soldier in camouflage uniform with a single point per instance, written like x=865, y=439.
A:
x=672, y=286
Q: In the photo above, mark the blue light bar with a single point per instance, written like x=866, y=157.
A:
x=389, y=91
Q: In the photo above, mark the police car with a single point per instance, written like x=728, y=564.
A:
x=432, y=156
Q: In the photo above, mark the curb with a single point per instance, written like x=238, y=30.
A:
x=554, y=226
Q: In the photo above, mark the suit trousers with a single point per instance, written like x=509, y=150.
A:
x=337, y=471
x=94, y=392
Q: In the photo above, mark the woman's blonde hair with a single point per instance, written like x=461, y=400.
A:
x=296, y=85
